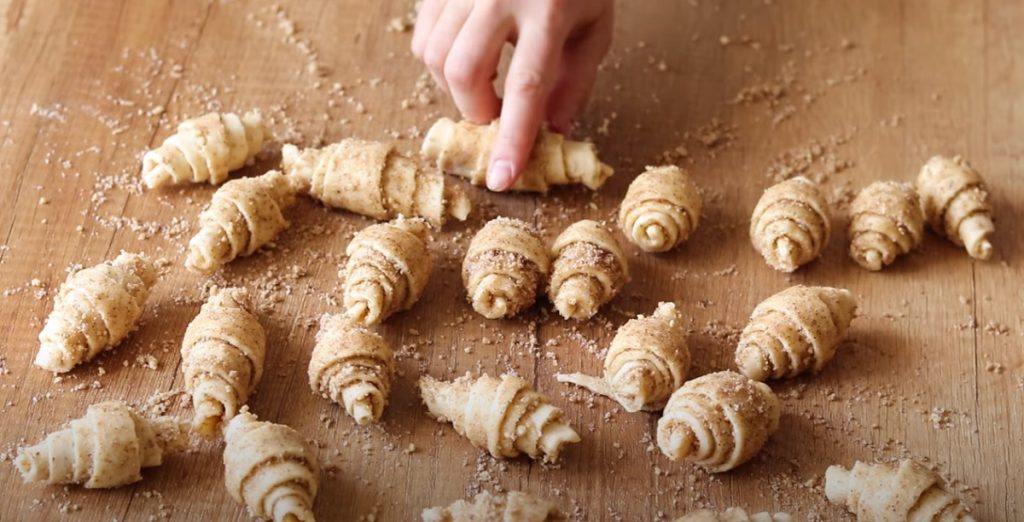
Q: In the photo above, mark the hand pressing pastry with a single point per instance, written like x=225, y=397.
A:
x=955, y=202
x=387, y=269
x=270, y=469
x=372, y=179
x=206, y=149
x=893, y=493
x=734, y=515
x=505, y=416
x=718, y=421
x=661, y=209
x=794, y=331
x=588, y=270
x=222, y=358
x=106, y=448
x=243, y=215
x=504, y=266
x=646, y=362
x=885, y=221
x=95, y=309
x=464, y=149
x=353, y=367
x=513, y=507
x=791, y=224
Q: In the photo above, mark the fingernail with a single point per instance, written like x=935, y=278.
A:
x=499, y=176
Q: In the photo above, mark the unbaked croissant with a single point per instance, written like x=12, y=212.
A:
x=885, y=221
x=646, y=362
x=222, y=358
x=956, y=203
x=95, y=309
x=106, y=448
x=505, y=264
x=270, y=469
x=353, y=367
x=661, y=209
x=487, y=507
x=719, y=421
x=794, y=331
x=733, y=515
x=903, y=492
x=206, y=148
x=588, y=270
x=243, y=215
x=791, y=224
x=464, y=149
x=387, y=269
x=503, y=415
x=371, y=178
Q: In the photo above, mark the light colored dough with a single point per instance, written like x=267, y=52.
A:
x=106, y=448
x=205, y=149
x=795, y=331
x=95, y=309
x=353, y=367
x=503, y=415
x=661, y=209
x=505, y=264
x=588, y=270
x=222, y=358
x=791, y=224
x=886, y=221
x=718, y=421
x=372, y=179
x=464, y=149
x=646, y=362
x=387, y=269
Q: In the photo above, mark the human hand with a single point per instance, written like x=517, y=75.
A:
x=558, y=47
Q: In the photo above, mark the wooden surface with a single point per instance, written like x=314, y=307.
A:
x=866, y=90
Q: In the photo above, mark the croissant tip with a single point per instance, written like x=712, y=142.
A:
x=873, y=260
x=983, y=250
x=362, y=412
x=26, y=465
x=837, y=483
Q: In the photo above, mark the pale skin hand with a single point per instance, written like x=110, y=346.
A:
x=558, y=47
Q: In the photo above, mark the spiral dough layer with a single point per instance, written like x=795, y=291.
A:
x=505, y=416
x=270, y=469
x=464, y=149
x=106, y=448
x=243, y=215
x=505, y=264
x=661, y=209
x=956, y=204
x=372, y=179
x=886, y=221
x=95, y=309
x=205, y=149
x=893, y=493
x=794, y=331
x=511, y=507
x=588, y=270
x=791, y=224
x=222, y=358
x=646, y=362
x=718, y=421
x=387, y=269
x=353, y=367
x=734, y=515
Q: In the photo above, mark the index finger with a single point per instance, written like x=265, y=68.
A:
x=530, y=78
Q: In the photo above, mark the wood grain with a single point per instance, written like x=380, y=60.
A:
x=861, y=90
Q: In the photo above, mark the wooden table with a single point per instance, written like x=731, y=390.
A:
x=848, y=92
